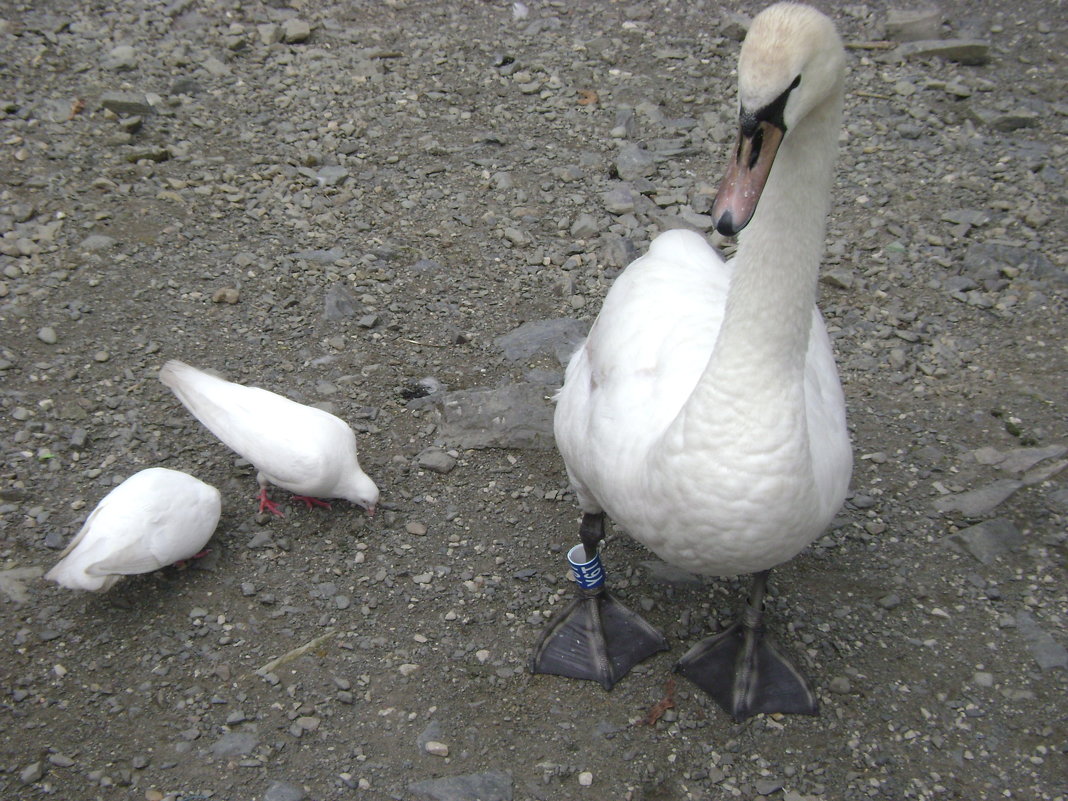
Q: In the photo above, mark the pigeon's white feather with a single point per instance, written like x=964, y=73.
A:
x=300, y=448
x=154, y=518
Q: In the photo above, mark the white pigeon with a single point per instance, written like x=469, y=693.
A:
x=305, y=450
x=153, y=519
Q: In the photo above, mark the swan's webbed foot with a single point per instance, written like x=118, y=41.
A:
x=744, y=671
x=596, y=638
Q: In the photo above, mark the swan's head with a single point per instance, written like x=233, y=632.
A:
x=792, y=62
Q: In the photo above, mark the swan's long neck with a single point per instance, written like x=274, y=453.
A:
x=759, y=357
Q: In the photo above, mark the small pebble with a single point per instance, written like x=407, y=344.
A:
x=436, y=748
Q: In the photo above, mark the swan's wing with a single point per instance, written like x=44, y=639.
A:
x=638, y=374
x=643, y=356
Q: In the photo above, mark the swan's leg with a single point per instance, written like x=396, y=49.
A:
x=595, y=637
x=743, y=670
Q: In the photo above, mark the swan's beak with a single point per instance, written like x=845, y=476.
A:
x=746, y=175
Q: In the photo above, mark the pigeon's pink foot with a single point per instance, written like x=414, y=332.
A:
x=309, y=502
x=268, y=504
x=182, y=564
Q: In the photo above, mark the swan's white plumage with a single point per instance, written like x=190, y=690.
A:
x=154, y=518
x=305, y=450
x=704, y=412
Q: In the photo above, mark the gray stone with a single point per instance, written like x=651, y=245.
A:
x=215, y=67
x=339, y=304
x=490, y=786
x=985, y=259
x=977, y=503
x=97, y=242
x=126, y=104
x=634, y=162
x=269, y=33
x=435, y=460
x=432, y=733
x=514, y=416
x=1048, y=653
x=13, y=582
x=559, y=336
x=962, y=51
x=1058, y=500
x=284, y=791
x=47, y=335
x=767, y=786
x=619, y=200
x=1021, y=460
x=584, y=226
x=35, y=772
x=973, y=217
x=295, y=31
x=913, y=24
x=332, y=175
x=320, y=256
x=516, y=236
x=122, y=57
x=990, y=539
x=235, y=743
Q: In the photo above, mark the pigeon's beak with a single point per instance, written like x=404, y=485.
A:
x=371, y=510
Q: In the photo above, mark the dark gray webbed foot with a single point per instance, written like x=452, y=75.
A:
x=744, y=671
x=596, y=638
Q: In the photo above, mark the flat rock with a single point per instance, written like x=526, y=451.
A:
x=979, y=502
x=634, y=162
x=13, y=582
x=338, y=304
x=97, y=242
x=559, y=336
x=235, y=743
x=435, y=460
x=1021, y=460
x=295, y=31
x=126, y=104
x=1048, y=653
x=515, y=416
x=962, y=51
x=990, y=539
x=1004, y=121
x=284, y=791
x=490, y=786
x=913, y=24
x=988, y=259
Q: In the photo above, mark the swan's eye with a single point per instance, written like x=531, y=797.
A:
x=796, y=83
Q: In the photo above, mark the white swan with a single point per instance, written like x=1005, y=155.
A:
x=704, y=413
x=152, y=519
x=300, y=448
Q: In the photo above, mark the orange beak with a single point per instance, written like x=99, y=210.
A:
x=746, y=175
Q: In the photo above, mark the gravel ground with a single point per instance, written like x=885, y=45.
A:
x=407, y=212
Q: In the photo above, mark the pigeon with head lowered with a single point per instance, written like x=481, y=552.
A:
x=153, y=519
x=305, y=450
